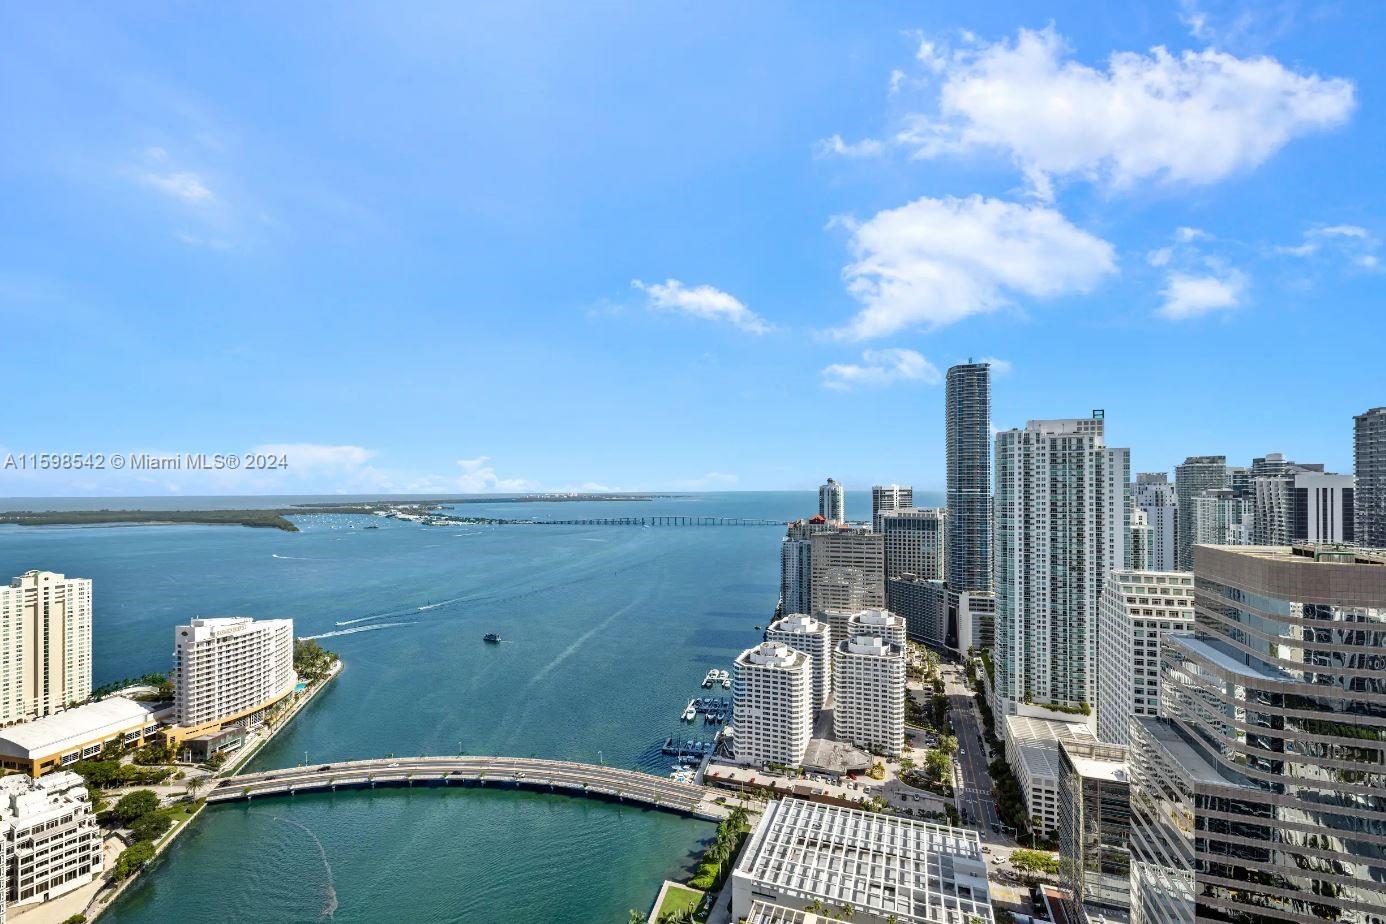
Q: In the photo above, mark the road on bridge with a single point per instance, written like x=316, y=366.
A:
x=576, y=778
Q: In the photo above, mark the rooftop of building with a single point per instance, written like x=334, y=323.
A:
x=879, y=864
x=798, y=623
x=1177, y=750
x=1036, y=741
x=1096, y=761
x=767, y=913
x=835, y=758
x=22, y=797
x=876, y=619
x=870, y=645
x=76, y=726
x=772, y=654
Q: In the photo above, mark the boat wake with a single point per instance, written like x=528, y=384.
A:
x=329, y=908
x=355, y=629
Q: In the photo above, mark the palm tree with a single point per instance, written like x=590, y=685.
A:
x=637, y=917
x=682, y=916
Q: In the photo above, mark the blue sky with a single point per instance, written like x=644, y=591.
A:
x=680, y=246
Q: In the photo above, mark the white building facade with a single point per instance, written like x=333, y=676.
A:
x=772, y=704
x=832, y=502
x=229, y=670
x=889, y=497
x=869, y=694
x=1137, y=610
x=49, y=838
x=45, y=644
x=1061, y=526
x=1032, y=751
x=805, y=634
x=1157, y=499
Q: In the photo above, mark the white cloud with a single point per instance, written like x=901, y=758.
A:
x=999, y=366
x=1160, y=257
x=479, y=477
x=881, y=367
x=180, y=184
x=836, y=147
x=1190, y=296
x=1195, y=117
x=936, y=261
x=1351, y=243
x=702, y=302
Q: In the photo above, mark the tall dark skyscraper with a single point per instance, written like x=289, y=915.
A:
x=1369, y=447
x=968, y=438
x=1196, y=475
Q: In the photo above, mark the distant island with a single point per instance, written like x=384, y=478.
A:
x=272, y=518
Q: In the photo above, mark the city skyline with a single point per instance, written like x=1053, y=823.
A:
x=422, y=264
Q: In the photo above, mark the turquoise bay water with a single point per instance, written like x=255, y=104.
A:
x=608, y=631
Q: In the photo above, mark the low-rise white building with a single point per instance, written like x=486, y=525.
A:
x=869, y=694
x=772, y=704
x=1032, y=751
x=1135, y=611
x=229, y=671
x=886, y=868
x=78, y=733
x=49, y=837
x=806, y=634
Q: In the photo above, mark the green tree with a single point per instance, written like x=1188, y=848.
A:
x=133, y=805
x=636, y=917
x=1037, y=862
x=131, y=859
x=150, y=826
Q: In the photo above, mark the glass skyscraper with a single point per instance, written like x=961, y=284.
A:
x=1259, y=795
x=968, y=436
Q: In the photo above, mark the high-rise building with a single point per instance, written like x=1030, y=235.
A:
x=1032, y=752
x=1221, y=516
x=772, y=704
x=971, y=621
x=805, y=634
x=796, y=563
x=1323, y=508
x=869, y=694
x=914, y=541
x=968, y=447
x=832, y=502
x=1257, y=795
x=229, y=671
x=796, y=575
x=1094, y=831
x=1142, y=541
x=888, y=497
x=1061, y=526
x=50, y=843
x=848, y=570
x=1137, y=609
x=882, y=623
x=1155, y=496
x=1196, y=475
x=45, y=644
x=1369, y=454
x=923, y=604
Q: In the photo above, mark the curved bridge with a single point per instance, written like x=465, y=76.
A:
x=580, y=779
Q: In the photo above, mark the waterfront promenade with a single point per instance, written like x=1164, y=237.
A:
x=591, y=780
